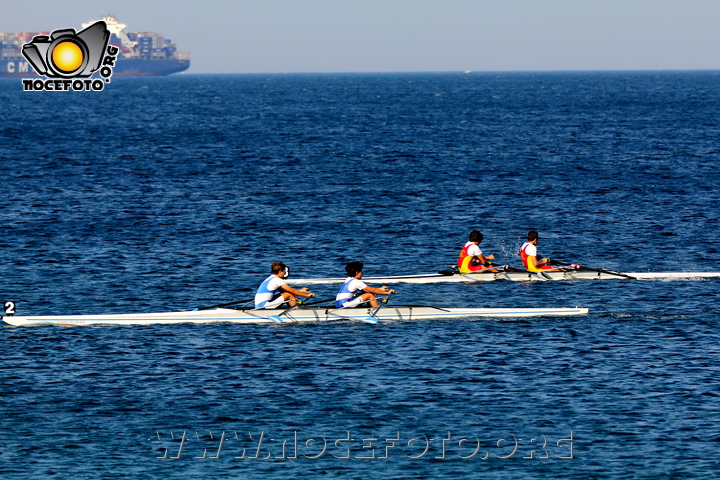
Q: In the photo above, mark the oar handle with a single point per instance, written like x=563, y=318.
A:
x=563, y=264
x=555, y=262
x=386, y=297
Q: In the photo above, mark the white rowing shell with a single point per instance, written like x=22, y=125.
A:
x=313, y=314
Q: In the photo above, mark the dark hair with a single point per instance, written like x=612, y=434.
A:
x=353, y=268
x=532, y=235
x=278, y=267
x=476, y=236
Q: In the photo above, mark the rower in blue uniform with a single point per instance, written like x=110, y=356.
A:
x=355, y=292
x=273, y=292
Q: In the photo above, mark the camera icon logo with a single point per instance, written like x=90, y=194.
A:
x=67, y=54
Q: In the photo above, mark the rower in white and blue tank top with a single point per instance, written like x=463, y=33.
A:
x=355, y=292
x=344, y=298
x=267, y=295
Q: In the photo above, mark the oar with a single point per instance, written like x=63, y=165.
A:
x=373, y=316
x=225, y=304
x=599, y=270
x=499, y=268
x=318, y=301
x=456, y=270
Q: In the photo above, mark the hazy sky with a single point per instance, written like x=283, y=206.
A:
x=263, y=36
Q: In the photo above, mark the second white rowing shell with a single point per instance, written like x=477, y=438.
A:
x=514, y=277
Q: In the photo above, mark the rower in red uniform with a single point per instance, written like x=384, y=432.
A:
x=528, y=254
x=471, y=258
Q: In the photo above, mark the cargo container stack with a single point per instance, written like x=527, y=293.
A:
x=140, y=53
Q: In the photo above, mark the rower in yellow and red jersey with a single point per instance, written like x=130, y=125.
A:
x=528, y=254
x=471, y=258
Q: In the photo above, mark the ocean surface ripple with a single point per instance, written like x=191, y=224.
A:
x=162, y=194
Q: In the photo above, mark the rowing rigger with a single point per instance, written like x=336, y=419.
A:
x=306, y=314
x=450, y=276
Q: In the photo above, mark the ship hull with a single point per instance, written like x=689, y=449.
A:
x=136, y=67
x=16, y=67
x=131, y=67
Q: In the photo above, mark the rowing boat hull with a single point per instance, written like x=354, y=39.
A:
x=322, y=314
x=515, y=277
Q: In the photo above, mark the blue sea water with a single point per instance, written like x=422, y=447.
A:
x=162, y=194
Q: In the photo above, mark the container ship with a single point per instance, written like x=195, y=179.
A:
x=141, y=53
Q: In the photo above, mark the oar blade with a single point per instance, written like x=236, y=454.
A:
x=275, y=318
x=369, y=320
